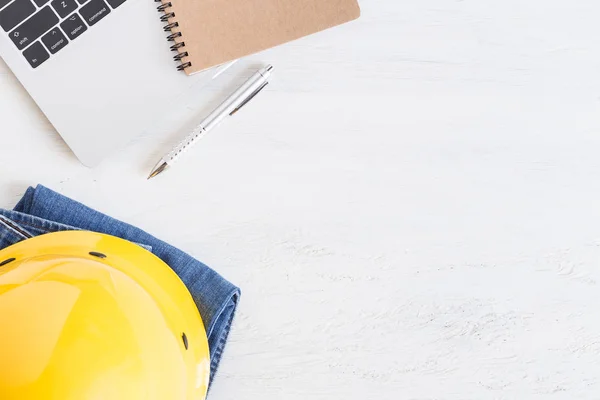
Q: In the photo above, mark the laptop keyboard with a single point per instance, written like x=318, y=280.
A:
x=41, y=28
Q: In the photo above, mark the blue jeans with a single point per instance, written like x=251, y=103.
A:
x=43, y=211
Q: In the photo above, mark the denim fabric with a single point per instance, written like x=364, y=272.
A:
x=42, y=211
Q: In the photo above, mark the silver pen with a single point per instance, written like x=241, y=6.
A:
x=233, y=104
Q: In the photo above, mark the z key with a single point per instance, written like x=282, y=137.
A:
x=64, y=7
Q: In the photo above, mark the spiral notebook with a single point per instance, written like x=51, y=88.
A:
x=206, y=33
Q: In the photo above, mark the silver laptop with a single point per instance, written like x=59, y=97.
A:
x=101, y=70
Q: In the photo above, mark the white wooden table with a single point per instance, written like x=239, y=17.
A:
x=412, y=208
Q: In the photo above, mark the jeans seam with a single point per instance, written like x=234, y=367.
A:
x=221, y=345
x=57, y=227
x=33, y=226
x=11, y=225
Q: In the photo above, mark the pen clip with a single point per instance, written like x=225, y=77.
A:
x=257, y=91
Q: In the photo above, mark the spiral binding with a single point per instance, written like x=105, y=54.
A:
x=167, y=15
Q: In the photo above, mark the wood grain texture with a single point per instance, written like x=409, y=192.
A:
x=411, y=208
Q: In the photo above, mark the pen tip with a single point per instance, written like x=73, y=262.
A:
x=160, y=167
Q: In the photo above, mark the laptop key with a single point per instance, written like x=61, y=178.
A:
x=30, y=30
x=115, y=3
x=94, y=11
x=54, y=40
x=15, y=13
x=36, y=54
x=73, y=26
x=64, y=7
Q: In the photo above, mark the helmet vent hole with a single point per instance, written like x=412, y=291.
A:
x=96, y=254
x=185, y=341
x=3, y=263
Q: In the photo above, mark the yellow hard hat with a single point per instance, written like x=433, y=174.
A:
x=91, y=316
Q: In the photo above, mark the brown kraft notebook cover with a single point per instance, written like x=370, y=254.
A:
x=206, y=33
